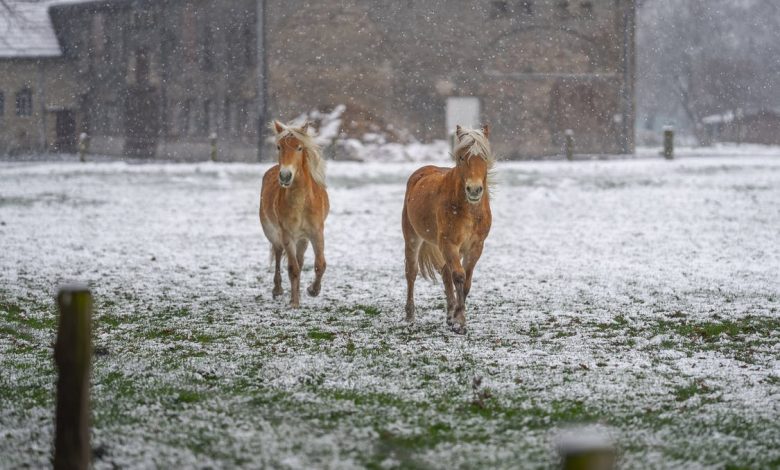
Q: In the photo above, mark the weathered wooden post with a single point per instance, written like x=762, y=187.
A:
x=73, y=354
x=213, y=142
x=569, y=144
x=586, y=451
x=83, y=146
x=668, y=142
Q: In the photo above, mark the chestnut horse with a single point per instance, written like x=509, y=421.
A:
x=445, y=221
x=293, y=207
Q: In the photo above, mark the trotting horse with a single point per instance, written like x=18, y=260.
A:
x=293, y=207
x=445, y=221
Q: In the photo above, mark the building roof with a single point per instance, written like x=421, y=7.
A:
x=26, y=31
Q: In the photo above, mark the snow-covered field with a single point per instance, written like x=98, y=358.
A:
x=640, y=295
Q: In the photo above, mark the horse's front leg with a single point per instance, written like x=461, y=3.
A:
x=277, y=271
x=452, y=260
x=318, y=243
x=293, y=271
x=469, y=262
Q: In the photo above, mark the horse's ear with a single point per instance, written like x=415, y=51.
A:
x=485, y=130
x=305, y=128
x=459, y=132
x=278, y=127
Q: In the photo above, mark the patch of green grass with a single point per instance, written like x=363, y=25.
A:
x=685, y=392
x=369, y=310
x=189, y=396
x=319, y=335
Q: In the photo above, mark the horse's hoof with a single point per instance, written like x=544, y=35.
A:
x=449, y=321
x=459, y=329
x=410, y=311
x=312, y=291
x=277, y=293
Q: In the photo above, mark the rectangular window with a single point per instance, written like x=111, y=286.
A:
x=499, y=9
x=98, y=35
x=527, y=7
x=207, y=49
x=205, y=118
x=184, y=118
x=227, y=115
x=2, y=106
x=189, y=33
x=24, y=102
x=462, y=110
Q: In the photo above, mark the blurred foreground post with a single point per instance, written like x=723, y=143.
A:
x=668, y=142
x=584, y=450
x=72, y=354
x=213, y=143
x=83, y=146
x=569, y=144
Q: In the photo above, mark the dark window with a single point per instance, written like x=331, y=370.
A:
x=227, y=116
x=527, y=7
x=499, y=9
x=184, y=118
x=247, y=37
x=98, y=35
x=24, y=102
x=2, y=105
x=205, y=118
x=587, y=8
x=207, y=49
x=189, y=32
x=563, y=7
x=141, y=66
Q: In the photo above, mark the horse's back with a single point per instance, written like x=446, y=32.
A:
x=268, y=190
x=429, y=172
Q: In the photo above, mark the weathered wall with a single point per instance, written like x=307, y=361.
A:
x=53, y=88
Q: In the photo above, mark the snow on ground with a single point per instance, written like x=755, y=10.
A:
x=640, y=295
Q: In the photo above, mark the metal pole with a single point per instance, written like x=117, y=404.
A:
x=262, y=78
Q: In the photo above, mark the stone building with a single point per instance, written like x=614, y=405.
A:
x=532, y=68
x=157, y=77
x=37, y=87
x=161, y=76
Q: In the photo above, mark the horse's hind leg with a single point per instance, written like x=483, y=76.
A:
x=449, y=293
x=278, y=250
x=412, y=267
x=318, y=244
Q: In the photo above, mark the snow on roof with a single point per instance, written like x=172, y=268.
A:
x=26, y=31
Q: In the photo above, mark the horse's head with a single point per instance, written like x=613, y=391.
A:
x=292, y=148
x=474, y=161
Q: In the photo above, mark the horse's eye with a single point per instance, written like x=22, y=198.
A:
x=300, y=147
x=279, y=147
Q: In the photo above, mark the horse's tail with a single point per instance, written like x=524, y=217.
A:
x=430, y=261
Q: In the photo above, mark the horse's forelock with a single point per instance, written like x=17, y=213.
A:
x=313, y=151
x=474, y=143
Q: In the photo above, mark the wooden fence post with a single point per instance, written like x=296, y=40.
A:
x=73, y=354
x=586, y=451
x=83, y=146
x=213, y=142
x=668, y=142
x=569, y=144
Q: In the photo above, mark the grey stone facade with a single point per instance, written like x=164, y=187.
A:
x=157, y=78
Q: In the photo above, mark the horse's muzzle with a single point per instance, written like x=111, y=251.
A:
x=285, y=178
x=474, y=194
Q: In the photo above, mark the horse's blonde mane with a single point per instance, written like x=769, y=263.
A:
x=475, y=144
x=313, y=151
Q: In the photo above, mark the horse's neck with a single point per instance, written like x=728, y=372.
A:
x=455, y=185
x=301, y=185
